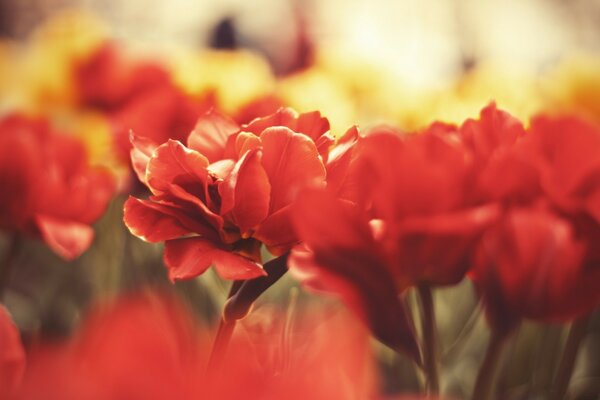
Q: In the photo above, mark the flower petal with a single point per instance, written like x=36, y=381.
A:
x=245, y=192
x=140, y=154
x=68, y=239
x=277, y=232
x=155, y=222
x=292, y=163
x=209, y=137
x=350, y=264
x=173, y=160
x=189, y=257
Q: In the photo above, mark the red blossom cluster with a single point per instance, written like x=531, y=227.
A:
x=366, y=217
x=375, y=215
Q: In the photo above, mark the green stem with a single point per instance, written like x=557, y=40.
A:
x=569, y=356
x=429, y=339
x=484, y=386
x=8, y=262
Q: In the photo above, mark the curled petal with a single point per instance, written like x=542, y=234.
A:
x=189, y=257
x=245, y=192
x=156, y=222
x=312, y=124
x=339, y=160
x=292, y=163
x=68, y=239
x=173, y=160
x=140, y=154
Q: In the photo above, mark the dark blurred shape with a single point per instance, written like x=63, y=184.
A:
x=5, y=25
x=224, y=35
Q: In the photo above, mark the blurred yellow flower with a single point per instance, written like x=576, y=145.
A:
x=234, y=78
x=574, y=86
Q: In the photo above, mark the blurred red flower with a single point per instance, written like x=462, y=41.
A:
x=216, y=200
x=271, y=357
x=49, y=190
x=541, y=260
x=136, y=95
x=12, y=356
x=532, y=265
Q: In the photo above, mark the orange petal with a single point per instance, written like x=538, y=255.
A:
x=189, y=257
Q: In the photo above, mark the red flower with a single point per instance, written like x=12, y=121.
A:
x=532, y=265
x=150, y=347
x=49, y=190
x=12, y=356
x=566, y=152
x=229, y=191
x=541, y=263
x=136, y=95
x=409, y=222
x=139, y=347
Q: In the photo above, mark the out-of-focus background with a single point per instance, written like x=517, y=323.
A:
x=425, y=42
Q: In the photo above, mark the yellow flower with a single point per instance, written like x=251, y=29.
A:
x=234, y=78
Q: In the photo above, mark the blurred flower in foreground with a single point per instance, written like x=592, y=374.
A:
x=50, y=191
x=147, y=346
x=229, y=191
x=12, y=356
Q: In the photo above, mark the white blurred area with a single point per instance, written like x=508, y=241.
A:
x=425, y=42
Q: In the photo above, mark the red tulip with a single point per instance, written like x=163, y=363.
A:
x=406, y=221
x=216, y=200
x=12, y=356
x=532, y=265
x=50, y=191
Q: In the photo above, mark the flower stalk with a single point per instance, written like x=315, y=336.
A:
x=484, y=385
x=429, y=339
x=569, y=356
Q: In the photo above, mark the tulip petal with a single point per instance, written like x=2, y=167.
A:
x=189, y=257
x=210, y=135
x=173, y=160
x=68, y=239
x=277, y=232
x=245, y=192
x=140, y=154
x=292, y=163
x=346, y=256
x=155, y=222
